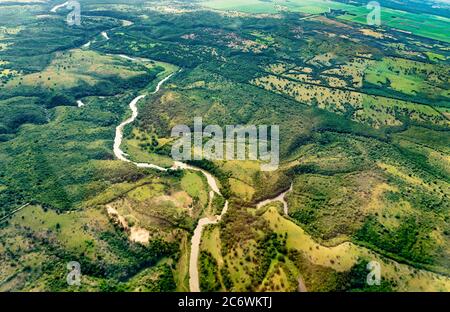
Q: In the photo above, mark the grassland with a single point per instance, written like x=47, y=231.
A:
x=257, y=6
x=373, y=110
x=49, y=240
x=295, y=255
x=69, y=69
x=425, y=25
x=162, y=207
x=411, y=78
x=253, y=6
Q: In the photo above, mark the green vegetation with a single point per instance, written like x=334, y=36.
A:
x=364, y=141
x=103, y=252
x=208, y=269
x=426, y=25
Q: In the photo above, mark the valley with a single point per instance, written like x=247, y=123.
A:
x=86, y=172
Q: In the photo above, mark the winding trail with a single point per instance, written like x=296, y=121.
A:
x=127, y=57
x=194, y=284
x=13, y=212
x=301, y=285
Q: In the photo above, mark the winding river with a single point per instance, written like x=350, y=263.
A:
x=121, y=155
x=119, y=130
x=194, y=284
x=280, y=198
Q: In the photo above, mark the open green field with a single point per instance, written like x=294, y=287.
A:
x=271, y=261
x=398, y=73
x=257, y=6
x=425, y=25
x=77, y=67
x=250, y=6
